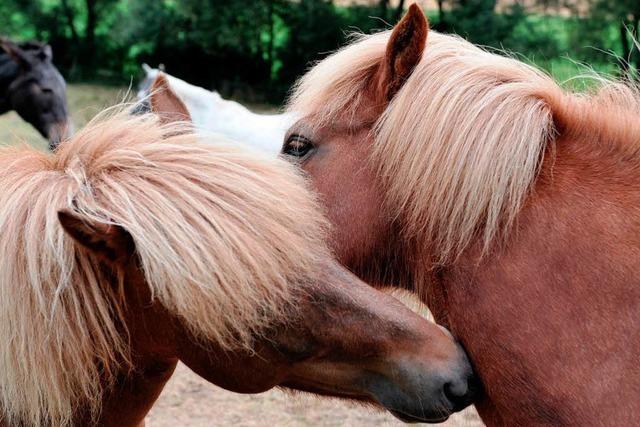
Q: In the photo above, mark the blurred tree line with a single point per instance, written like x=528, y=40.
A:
x=256, y=49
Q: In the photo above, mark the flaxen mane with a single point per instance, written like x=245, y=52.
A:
x=461, y=143
x=221, y=236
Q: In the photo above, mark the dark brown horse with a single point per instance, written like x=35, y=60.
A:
x=34, y=88
x=134, y=246
x=511, y=206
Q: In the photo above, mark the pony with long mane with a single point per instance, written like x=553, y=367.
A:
x=136, y=245
x=34, y=88
x=212, y=113
x=511, y=205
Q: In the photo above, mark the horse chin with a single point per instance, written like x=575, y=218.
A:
x=58, y=132
x=412, y=419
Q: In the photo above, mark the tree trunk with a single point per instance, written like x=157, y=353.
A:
x=399, y=11
x=636, y=34
x=384, y=5
x=626, y=48
x=90, y=35
x=271, y=36
x=68, y=14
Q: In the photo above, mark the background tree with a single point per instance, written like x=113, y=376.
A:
x=626, y=14
x=255, y=50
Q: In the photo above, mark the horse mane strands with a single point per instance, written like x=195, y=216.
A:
x=460, y=145
x=221, y=235
x=466, y=132
x=327, y=90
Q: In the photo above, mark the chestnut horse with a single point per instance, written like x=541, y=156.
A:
x=510, y=205
x=136, y=245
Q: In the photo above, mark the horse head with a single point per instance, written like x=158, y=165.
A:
x=166, y=248
x=38, y=92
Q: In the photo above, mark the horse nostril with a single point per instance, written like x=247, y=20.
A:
x=461, y=393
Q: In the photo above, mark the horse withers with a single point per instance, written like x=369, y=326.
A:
x=137, y=244
x=34, y=88
x=510, y=205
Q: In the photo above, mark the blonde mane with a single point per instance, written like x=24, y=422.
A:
x=460, y=145
x=221, y=236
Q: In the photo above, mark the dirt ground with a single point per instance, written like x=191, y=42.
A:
x=192, y=402
x=189, y=401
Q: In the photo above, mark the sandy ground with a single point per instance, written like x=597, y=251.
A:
x=192, y=402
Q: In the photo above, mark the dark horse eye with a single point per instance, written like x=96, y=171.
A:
x=297, y=146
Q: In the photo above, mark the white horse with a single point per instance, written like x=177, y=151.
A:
x=213, y=114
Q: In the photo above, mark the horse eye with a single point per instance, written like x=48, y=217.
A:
x=297, y=146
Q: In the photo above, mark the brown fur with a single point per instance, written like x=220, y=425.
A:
x=510, y=205
x=404, y=52
x=136, y=245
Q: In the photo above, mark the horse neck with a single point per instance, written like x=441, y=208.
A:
x=151, y=335
x=200, y=98
x=602, y=122
x=546, y=318
x=191, y=94
x=8, y=72
x=233, y=120
x=212, y=113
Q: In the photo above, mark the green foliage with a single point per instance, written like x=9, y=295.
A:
x=478, y=21
x=256, y=49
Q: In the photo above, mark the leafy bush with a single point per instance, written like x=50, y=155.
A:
x=255, y=50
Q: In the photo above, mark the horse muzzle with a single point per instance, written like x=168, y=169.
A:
x=58, y=132
x=426, y=395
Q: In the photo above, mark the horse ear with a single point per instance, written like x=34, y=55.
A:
x=165, y=103
x=45, y=53
x=404, y=51
x=110, y=242
x=16, y=53
x=146, y=68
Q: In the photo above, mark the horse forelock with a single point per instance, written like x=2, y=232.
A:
x=460, y=145
x=333, y=87
x=221, y=237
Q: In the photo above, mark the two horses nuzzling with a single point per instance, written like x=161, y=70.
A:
x=136, y=245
